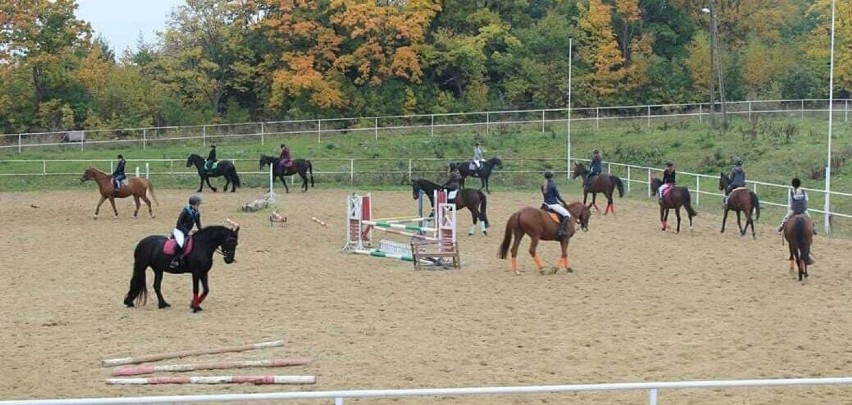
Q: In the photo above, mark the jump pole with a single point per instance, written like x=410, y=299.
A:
x=150, y=368
x=317, y=220
x=224, y=379
x=176, y=355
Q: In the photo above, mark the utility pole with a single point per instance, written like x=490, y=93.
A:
x=717, y=62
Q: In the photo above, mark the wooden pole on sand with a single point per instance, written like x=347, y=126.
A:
x=150, y=368
x=224, y=379
x=176, y=355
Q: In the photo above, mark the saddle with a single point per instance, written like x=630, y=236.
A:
x=667, y=190
x=285, y=164
x=451, y=196
x=211, y=165
x=170, y=246
x=554, y=216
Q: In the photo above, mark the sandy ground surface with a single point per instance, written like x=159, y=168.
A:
x=643, y=305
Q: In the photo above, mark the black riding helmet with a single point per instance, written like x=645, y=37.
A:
x=548, y=174
x=796, y=183
x=194, y=199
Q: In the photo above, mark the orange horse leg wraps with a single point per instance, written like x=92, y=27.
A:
x=565, y=263
x=538, y=262
x=515, y=264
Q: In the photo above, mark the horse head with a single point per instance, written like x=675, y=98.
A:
x=88, y=174
x=496, y=161
x=655, y=185
x=264, y=160
x=581, y=213
x=579, y=170
x=192, y=159
x=229, y=246
x=723, y=181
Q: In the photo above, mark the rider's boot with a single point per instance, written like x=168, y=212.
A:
x=563, y=227
x=176, y=258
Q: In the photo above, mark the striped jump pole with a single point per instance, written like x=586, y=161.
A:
x=224, y=379
x=387, y=225
x=150, y=368
x=379, y=253
x=317, y=220
x=176, y=355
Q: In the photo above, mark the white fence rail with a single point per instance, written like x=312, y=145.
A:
x=653, y=389
x=487, y=120
x=634, y=176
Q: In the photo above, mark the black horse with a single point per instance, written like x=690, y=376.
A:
x=224, y=168
x=302, y=167
x=484, y=172
x=149, y=253
x=473, y=200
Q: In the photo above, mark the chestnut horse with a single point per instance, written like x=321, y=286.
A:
x=799, y=234
x=602, y=183
x=136, y=187
x=676, y=197
x=740, y=200
x=538, y=224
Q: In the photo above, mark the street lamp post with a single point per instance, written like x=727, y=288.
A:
x=712, y=83
x=827, y=207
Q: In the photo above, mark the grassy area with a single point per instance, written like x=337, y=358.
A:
x=774, y=149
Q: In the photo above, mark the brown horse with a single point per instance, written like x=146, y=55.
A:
x=799, y=234
x=473, y=200
x=740, y=200
x=602, y=183
x=136, y=187
x=539, y=225
x=676, y=197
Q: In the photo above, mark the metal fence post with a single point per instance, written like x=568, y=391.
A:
x=628, y=179
x=652, y=400
x=351, y=171
x=171, y=166
x=487, y=123
x=649, y=183
x=749, y=110
x=204, y=135
x=409, y=169
x=542, y=121
x=44, y=168
x=319, y=131
x=262, y=132
x=608, y=168
x=271, y=178
x=147, y=170
x=19, y=143
x=649, y=116
x=697, y=190
x=338, y=401
x=846, y=110
x=432, y=126
x=376, y=127
x=700, y=112
x=803, y=108
x=597, y=117
x=144, y=138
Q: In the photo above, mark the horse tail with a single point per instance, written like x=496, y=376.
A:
x=756, y=205
x=482, y=207
x=507, y=236
x=620, y=185
x=311, y=171
x=235, y=178
x=149, y=190
x=804, y=247
x=687, y=203
x=138, y=292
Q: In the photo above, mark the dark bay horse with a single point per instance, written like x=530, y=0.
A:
x=676, y=197
x=300, y=166
x=538, y=224
x=223, y=168
x=798, y=231
x=136, y=187
x=149, y=253
x=602, y=183
x=740, y=200
x=473, y=200
x=484, y=172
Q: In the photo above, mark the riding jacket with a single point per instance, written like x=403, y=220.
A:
x=595, y=167
x=798, y=201
x=669, y=177
x=551, y=193
x=738, y=177
x=477, y=154
x=454, y=181
x=119, y=170
x=211, y=157
x=189, y=217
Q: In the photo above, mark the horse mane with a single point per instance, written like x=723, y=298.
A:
x=209, y=232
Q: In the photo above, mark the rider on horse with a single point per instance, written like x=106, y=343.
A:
x=211, y=158
x=738, y=178
x=190, y=216
x=118, y=174
x=285, y=160
x=797, y=203
x=668, y=179
x=453, y=182
x=478, y=158
x=554, y=202
x=595, y=167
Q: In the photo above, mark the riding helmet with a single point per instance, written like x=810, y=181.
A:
x=669, y=163
x=120, y=157
x=283, y=146
x=548, y=174
x=595, y=151
x=194, y=199
x=796, y=182
x=738, y=162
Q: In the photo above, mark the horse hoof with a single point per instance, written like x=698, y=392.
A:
x=95, y=217
x=197, y=309
x=485, y=233
x=164, y=305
